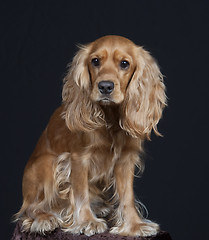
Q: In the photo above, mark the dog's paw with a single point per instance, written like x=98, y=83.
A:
x=143, y=229
x=44, y=223
x=88, y=228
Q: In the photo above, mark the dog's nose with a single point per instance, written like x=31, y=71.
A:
x=106, y=87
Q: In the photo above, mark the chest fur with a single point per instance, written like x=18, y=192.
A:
x=106, y=149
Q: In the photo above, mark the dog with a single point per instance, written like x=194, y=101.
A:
x=80, y=175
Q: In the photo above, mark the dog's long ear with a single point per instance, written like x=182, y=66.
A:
x=145, y=97
x=80, y=113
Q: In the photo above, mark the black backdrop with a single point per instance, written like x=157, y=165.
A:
x=38, y=39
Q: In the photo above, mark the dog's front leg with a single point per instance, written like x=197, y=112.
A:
x=84, y=220
x=128, y=221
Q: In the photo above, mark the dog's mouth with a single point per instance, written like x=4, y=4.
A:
x=106, y=101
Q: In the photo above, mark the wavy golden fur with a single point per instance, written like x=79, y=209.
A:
x=82, y=169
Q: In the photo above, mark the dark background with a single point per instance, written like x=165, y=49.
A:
x=38, y=39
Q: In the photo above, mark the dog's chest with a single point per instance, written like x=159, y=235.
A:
x=106, y=150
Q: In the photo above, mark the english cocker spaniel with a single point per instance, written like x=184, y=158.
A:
x=82, y=169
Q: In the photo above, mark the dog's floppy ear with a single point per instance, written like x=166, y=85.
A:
x=145, y=97
x=80, y=113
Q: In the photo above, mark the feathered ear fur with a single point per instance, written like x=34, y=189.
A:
x=80, y=114
x=145, y=98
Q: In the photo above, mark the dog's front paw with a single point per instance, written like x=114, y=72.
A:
x=89, y=228
x=42, y=223
x=143, y=229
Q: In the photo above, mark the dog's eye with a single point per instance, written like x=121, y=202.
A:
x=95, y=62
x=124, y=64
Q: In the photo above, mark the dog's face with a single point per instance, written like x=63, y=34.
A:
x=111, y=65
x=114, y=71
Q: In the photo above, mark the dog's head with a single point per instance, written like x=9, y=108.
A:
x=114, y=71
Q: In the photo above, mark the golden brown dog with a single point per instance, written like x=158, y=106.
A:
x=82, y=168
